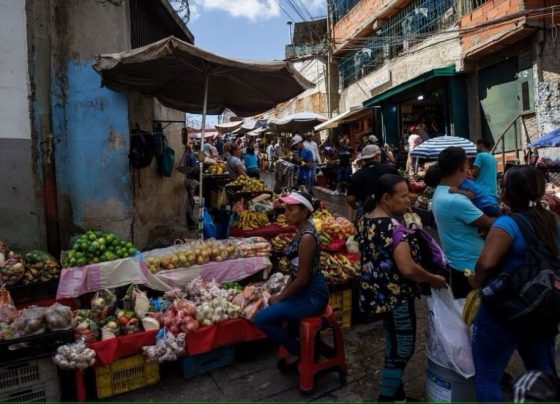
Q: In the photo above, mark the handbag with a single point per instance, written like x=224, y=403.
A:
x=167, y=160
x=527, y=297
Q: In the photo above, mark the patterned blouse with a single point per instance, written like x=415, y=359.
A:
x=381, y=284
x=292, y=251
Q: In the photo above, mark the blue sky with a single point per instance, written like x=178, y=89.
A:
x=248, y=29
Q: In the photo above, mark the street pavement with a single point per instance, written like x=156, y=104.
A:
x=254, y=376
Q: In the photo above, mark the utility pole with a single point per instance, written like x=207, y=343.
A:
x=291, y=37
x=329, y=56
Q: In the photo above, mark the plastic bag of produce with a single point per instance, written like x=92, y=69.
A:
x=85, y=327
x=103, y=306
x=13, y=269
x=59, y=317
x=30, y=321
x=276, y=282
x=40, y=267
x=448, y=338
x=8, y=311
x=74, y=356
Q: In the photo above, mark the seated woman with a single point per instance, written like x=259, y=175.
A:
x=505, y=249
x=306, y=293
x=389, y=276
x=234, y=164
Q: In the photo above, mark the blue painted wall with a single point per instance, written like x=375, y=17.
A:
x=91, y=128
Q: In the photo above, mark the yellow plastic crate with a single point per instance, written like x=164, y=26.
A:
x=341, y=302
x=125, y=375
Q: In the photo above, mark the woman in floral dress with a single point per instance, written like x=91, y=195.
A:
x=389, y=278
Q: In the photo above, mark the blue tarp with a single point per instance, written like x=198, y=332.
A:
x=551, y=139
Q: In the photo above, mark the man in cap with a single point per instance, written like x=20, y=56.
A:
x=386, y=155
x=362, y=184
x=305, y=160
x=312, y=145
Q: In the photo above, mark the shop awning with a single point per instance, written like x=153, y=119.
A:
x=227, y=127
x=447, y=71
x=348, y=116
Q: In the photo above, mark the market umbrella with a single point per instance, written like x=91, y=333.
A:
x=298, y=122
x=550, y=139
x=431, y=148
x=190, y=79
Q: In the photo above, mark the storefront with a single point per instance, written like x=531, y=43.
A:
x=435, y=101
x=356, y=123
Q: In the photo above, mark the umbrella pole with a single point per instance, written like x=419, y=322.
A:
x=201, y=162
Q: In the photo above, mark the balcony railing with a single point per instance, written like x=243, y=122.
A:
x=294, y=51
x=410, y=26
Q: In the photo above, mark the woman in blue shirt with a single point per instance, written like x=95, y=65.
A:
x=251, y=161
x=505, y=248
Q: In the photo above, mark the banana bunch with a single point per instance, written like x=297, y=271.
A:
x=326, y=239
x=337, y=268
x=280, y=242
x=249, y=220
x=281, y=220
x=321, y=214
x=284, y=265
x=249, y=184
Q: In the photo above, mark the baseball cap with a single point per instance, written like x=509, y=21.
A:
x=298, y=198
x=373, y=139
x=369, y=152
x=296, y=139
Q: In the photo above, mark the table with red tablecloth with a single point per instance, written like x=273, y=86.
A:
x=203, y=340
x=267, y=232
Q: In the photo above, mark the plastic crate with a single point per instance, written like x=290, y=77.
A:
x=29, y=381
x=125, y=375
x=34, y=291
x=199, y=364
x=34, y=346
x=341, y=303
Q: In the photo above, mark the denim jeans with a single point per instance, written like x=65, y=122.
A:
x=312, y=299
x=493, y=346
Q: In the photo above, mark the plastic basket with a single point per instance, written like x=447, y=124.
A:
x=29, y=381
x=34, y=346
x=341, y=303
x=199, y=364
x=125, y=375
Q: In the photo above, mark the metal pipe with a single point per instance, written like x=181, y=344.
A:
x=50, y=197
x=201, y=159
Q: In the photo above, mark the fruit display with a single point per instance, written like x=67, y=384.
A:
x=253, y=247
x=40, y=267
x=97, y=246
x=281, y=220
x=74, y=356
x=248, y=184
x=188, y=255
x=217, y=168
x=331, y=228
x=12, y=268
x=249, y=220
x=338, y=268
x=321, y=214
x=280, y=242
x=423, y=202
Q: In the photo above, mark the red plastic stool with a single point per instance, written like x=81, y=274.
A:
x=314, y=359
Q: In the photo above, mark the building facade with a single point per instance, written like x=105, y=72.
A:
x=66, y=143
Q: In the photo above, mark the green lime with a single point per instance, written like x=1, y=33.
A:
x=81, y=262
x=98, y=233
x=95, y=260
x=72, y=261
x=70, y=254
x=129, y=245
x=95, y=245
x=101, y=241
x=103, y=257
x=122, y=243
x=79, y=255
x=91, y=237
x=131, y=251
x=110, y=238
x=110, y=256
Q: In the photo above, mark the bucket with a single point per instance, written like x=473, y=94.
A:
x=444, y=385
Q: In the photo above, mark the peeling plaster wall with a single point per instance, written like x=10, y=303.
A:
x=90, y=123
x=157, y=200
x=547, y=99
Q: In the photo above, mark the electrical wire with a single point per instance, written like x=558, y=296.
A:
x=284, y=10
x=296, y=9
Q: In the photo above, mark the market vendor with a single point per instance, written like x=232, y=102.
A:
x=306, y=292
x=305, y=161
x=234, y=164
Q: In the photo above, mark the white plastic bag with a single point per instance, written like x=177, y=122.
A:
x=448, y=338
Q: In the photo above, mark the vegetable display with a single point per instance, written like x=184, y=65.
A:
x=97, y=246
x=40, y=267
x=12, y=269
x=74, y=356
x=167, y=348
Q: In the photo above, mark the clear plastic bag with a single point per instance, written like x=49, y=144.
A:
x=30, y=321
x=102, y=306
x=59, y=317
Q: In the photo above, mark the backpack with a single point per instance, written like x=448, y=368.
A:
x=141, y=149
x=527, y=297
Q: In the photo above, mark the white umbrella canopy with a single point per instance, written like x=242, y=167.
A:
x=430, y=149
x=190, y=79
x=298, y=122
x=228, y=127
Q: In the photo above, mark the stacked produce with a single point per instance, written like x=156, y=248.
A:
x=97, y=246
x=180, y=317
x=248, y=184
x=168, y=348
x=40, y=267
x=281, y=220
x=321, y=214
x=187, y=255
x=336, y=228
x=12, y=267
x=281, y=241
x=249, y=220
x=338, y=268
x=217, y=168
x=251, y=300
x=74, y=356
x=253, y=247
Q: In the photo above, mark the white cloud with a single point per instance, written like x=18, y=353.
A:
x=250, y=9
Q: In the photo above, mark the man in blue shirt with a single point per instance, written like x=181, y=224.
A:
x=305, y=160
x=458, y=220
x=486, y=167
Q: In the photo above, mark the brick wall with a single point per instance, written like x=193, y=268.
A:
x=489, y=11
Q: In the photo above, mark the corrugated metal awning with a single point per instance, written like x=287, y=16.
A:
x=349, y=116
